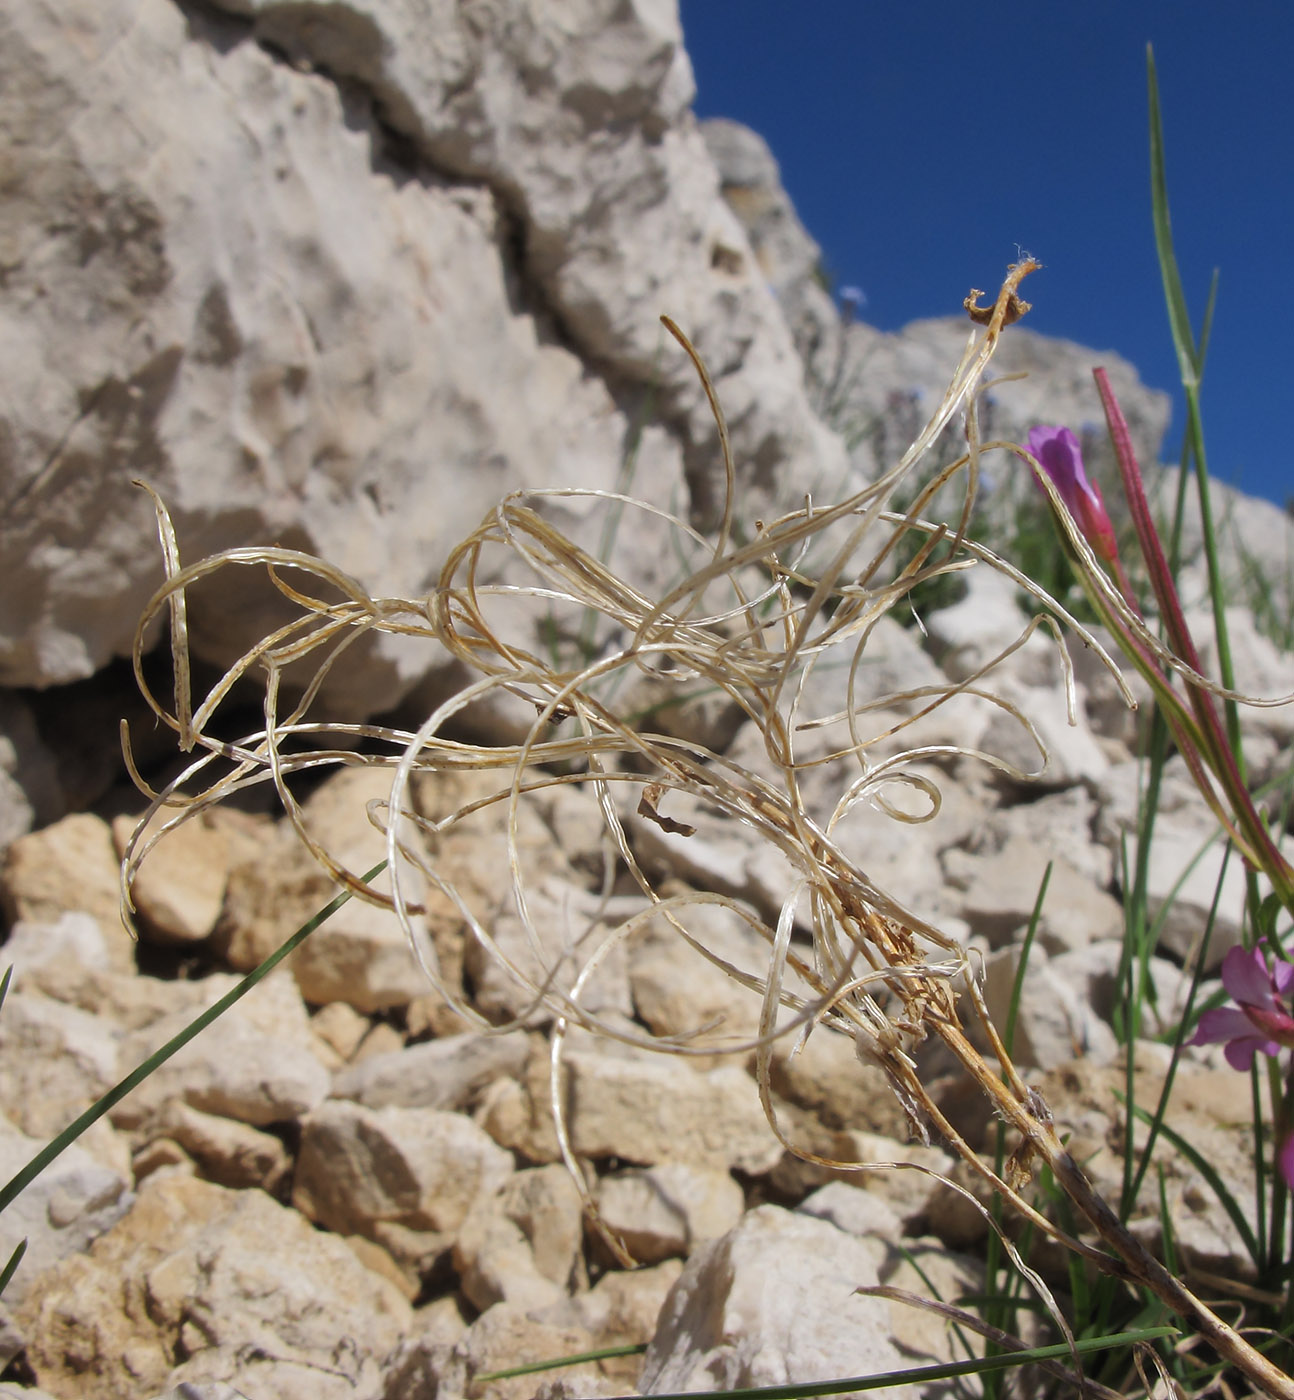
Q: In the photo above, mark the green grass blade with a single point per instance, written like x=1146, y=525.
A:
x=69, y=1135
x=1209, y=1173
x=921, y=1375
x=4, y=983
x=1017, y=987
x=1178, y=318
x=577, y=1359
x=14, y=1260
x=1001, y=1315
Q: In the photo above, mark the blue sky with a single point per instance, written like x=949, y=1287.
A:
x=923, y=141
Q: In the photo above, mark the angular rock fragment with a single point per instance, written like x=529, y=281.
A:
x=772, y=1302
x=416, y=1168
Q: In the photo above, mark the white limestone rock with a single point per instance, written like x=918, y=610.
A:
x=773, y=1302
x=447, y=1073
x=522, y=1242
x=196, y=1284
x=68, y=867
x=40, y=950
x=256, y=1063
x=227, y=1152
x=668, y=1210
x=180, y=887
x=31, y=794
x=999, y=891
x=1054, y=1025
x=280, y=317
x=569, y=925
x=1187, y=868
x=677, y=990
x=417, y=1168
x=653, y=1108
x=72, y=1202
x=55, y=1060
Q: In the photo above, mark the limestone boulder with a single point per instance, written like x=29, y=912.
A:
x=668, y=1210
x=773, y=1302
x=31, y=793
x=649, y=1109
x=255, y=1063
x=68, y=867
x=350, y=260
x=998, y=894
x=447, y=1073
x=180, y=887
x=1188, y=870
x=521, y=1243
x=55, y=1060
x=417, y=1168
x=199, y=1285
x=633, y=1105
x=1055, y=1024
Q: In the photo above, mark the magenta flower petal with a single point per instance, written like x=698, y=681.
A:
x=1058, y=453
x=1246, y=978
x=1240, y=1053
x=1222, y=1023
x=1285, y=1160
x=1283, y=976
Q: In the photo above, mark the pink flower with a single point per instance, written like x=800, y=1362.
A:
x=1058, y=454
x=1259, y=1021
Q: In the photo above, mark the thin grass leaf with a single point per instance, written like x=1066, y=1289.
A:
x=1184, y=1025
x=4, y=984
x=1017, y=985
x=575, y=1359
x=69, y=1135
x=1178, y=318
x=922, y=1375
x=1210, y=1174
x=10, y=1268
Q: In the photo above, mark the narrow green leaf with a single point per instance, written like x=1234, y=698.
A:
x=14, y=1260
x=1207, y=1170
x=920, y=1375
x=1179, y=320
x=577, y=1359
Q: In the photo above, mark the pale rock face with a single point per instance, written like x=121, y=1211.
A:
x=447, y=1073
x=1054, y=1025
x=69, y=866
x=55, y=1060
x=655, y=1109
x=1000, y=891
x=1187, y=867
x=262, y=308
x=31, y=794
x=771, y=1303
x=201, y=1284
x=668, y=1210
x=255, y=1063
x=676, y=990
x=569, y=926
x=35, y=947
x=227, y=1152
x=70, y=1204
x=416, y=1168
x=181, y=885
x=522, y=1243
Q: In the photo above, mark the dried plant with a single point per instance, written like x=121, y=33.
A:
x=751, y=620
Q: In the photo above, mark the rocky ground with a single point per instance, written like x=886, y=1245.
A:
x=343, y=1188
